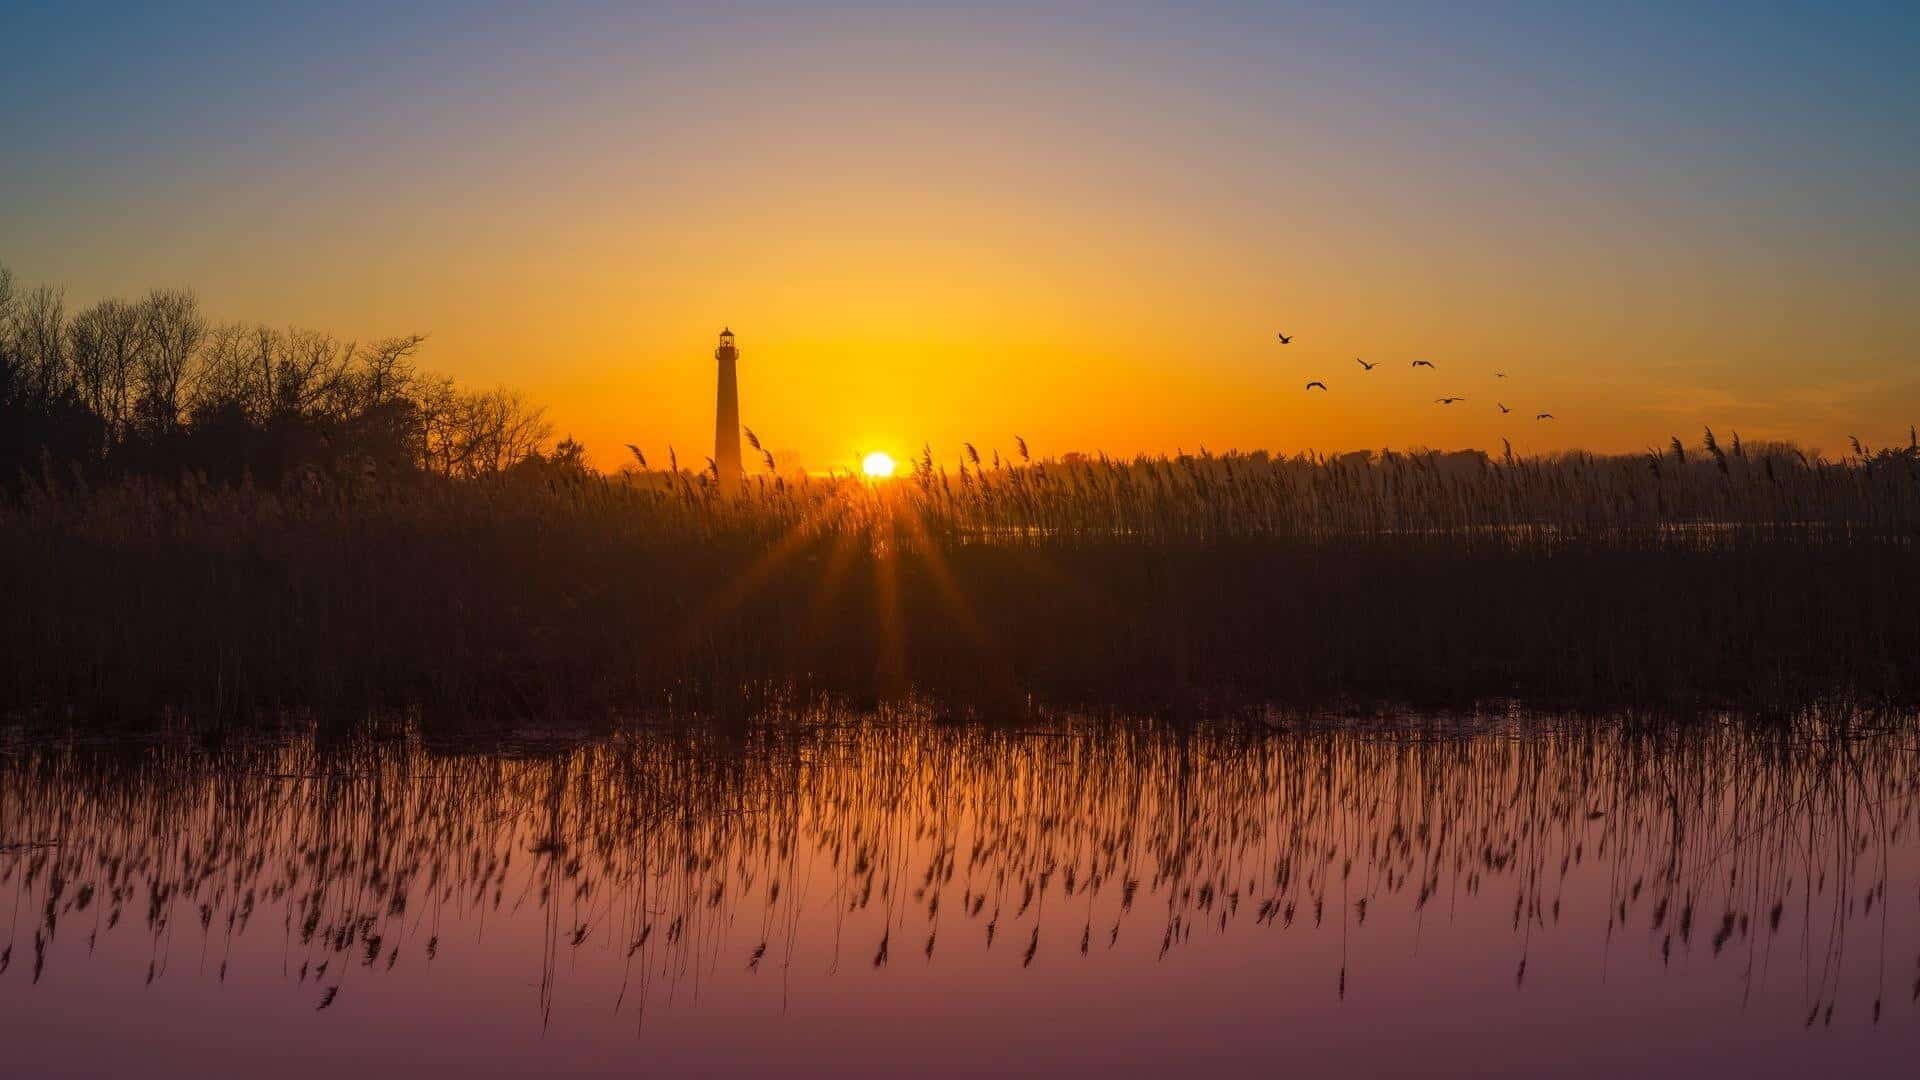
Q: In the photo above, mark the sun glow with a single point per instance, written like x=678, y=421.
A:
x=878, y=465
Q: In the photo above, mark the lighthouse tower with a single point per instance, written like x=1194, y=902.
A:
x=726, y=414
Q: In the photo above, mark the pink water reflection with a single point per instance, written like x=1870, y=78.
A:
x=678, y=904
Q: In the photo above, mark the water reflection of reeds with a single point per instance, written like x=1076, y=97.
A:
x=678, y=855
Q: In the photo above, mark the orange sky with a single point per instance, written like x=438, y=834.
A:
x=940, y=228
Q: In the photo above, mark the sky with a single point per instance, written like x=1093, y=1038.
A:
x=1078, y=224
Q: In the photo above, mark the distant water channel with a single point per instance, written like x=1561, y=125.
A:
x=1516, y=895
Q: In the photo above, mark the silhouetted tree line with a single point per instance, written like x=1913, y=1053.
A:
x=152, y=387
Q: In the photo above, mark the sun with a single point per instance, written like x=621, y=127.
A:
x=878, y=465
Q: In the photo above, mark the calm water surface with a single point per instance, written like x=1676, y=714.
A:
x=1514, y=896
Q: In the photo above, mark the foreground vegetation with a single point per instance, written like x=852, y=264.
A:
x=1158, y=583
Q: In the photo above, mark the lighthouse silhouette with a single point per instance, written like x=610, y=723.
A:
x=726, y=414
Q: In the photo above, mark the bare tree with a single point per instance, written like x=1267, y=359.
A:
x=524, y=428
x=223, y=379
x=107, y=340
x=476, y=434
x=174, y=331
x=384, y=372
x=12, y=369
x=304, y=369
x=436, y=402
x=39, y=331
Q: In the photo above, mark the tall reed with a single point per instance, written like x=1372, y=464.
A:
x=1756, y=578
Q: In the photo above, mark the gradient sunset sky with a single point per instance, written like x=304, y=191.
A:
x=1082, y=225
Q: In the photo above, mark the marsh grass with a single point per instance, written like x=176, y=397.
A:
x=1765, y=579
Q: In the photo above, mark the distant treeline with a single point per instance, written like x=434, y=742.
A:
x=151, y=387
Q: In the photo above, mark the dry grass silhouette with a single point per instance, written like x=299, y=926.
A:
x=1755, y=577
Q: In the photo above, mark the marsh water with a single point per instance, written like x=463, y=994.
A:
x=1506, y=895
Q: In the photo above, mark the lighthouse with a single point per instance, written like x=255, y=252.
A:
x=726, y=414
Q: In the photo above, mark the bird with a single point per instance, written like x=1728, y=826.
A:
x=1499, y=374
x=1503, y=409
x=1543, y=416
x=1316, y=384
x=1363, y=364
x=1284, y=339
x=1422, y=363
x=1447, y=400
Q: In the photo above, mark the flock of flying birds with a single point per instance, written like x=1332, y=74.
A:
x=1364, y=366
